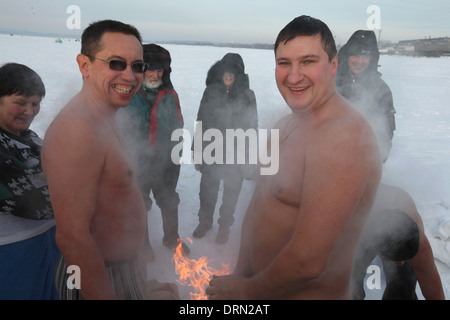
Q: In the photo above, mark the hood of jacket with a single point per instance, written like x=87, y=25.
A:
x=362, y=42
x=231, y=62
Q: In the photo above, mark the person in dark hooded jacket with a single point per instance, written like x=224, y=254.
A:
x=359, y=81
x=227, y=103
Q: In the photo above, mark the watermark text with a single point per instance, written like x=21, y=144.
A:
x=74, y=19
x=74, y=280
x=241, y=147
x=374, y=20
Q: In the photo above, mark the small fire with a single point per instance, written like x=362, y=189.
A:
x=195, y=273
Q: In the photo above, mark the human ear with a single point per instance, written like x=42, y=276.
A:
x=83, y=64
x=334, y=65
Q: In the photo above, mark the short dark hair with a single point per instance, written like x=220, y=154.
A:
x=19, y=79
x=90, y=39
x=308, y=26
x=397, y=236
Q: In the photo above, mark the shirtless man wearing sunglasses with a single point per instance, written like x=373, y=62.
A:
x=98, y=206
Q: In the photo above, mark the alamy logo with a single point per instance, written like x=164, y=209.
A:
x=373, y=281
x=74, y=280
x=74, y=20
x=237, y=150
x=374, y=20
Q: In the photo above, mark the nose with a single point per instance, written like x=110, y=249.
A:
x=295, y=74
x=29, y=109
x=360, y=59
x=151, y=73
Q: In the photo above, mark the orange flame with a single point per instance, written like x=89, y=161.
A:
x=195, y=273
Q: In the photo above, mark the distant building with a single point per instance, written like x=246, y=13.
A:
x=431, y=47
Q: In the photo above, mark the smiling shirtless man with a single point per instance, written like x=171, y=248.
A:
x=300, y=231
x=100, y=215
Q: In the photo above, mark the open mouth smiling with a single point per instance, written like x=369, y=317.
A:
x=299, y=89
x=123, y=89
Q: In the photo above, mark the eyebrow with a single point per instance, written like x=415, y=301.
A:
x=305, y=57
x=308, y=56
x=115, y=57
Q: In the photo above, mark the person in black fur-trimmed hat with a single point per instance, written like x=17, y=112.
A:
x=158, y=58
x=359, y=81
x=152, y=116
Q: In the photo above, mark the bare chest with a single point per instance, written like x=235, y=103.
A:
x=287, y=184
x=119, y=166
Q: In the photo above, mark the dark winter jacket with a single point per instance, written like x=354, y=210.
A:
x=367, y=92
x=222, y=108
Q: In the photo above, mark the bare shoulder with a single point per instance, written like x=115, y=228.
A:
x=76, y=120
x=72, y=131
x=393, y=197
x=346, y=117
x=280, y=124
x=72, y=116
x=346, y=129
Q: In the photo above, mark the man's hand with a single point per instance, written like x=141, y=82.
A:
x=155, y=290
x=228, y=287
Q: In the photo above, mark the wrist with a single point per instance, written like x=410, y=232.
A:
x=253, y=289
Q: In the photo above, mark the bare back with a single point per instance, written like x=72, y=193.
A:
x=312, y=211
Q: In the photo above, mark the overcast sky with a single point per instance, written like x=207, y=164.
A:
x=241, y=21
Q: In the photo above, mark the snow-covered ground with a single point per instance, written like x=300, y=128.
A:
x=419, y=160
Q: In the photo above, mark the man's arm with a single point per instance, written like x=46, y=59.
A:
x=423, y=262
x=425, y=269
x=333, y=185
x=243, y=268
x=365, y=253
x=73, y=163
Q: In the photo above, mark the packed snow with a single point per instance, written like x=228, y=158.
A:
x=419, y=160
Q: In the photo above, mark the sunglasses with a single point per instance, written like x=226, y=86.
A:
x=120, y=65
